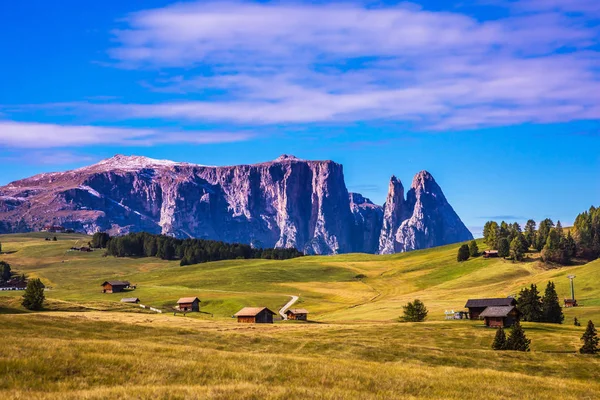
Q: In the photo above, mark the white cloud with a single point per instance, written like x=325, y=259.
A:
x=35, y=135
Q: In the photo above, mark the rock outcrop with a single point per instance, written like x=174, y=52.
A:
x=284, y=203
x=425, y=219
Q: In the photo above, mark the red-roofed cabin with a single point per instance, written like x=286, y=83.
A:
x=255, y=315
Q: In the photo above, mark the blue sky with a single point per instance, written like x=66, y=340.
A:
x=498, y=99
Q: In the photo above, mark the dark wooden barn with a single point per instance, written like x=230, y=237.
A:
x=500, y=317
x=477, y=306
x=191, y=304
x=255, y=315
x=299, y=314
x=114, y=286
x=570, y=303
x=132, y=300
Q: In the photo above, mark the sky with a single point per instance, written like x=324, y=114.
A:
x=498, y=99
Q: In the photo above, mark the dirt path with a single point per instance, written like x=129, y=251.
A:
x=287, y=306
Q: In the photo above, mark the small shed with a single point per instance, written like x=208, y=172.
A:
x=191, y=304
x=570, y=303
x=299, y=314
x=500, y=317
x=490, y=254
x=114, y=286
x=255, y=315
x=477, y=306
x=132, y=300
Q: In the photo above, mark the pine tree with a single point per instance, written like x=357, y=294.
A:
x=590, y=340
x=473, y=248
x=517, y=340
x=463, y=253
x=517, y=248
x=33, y=298
x=415, y=312
x=576, y=322
x=530, y=232
x=5, y=272
x=529, y=304
x=500, y=340
x=552, y=311
x=503, y=248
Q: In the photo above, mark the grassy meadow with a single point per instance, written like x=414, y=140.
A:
x=88, y=345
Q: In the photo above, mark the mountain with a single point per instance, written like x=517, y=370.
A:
x=424, y=219
x=287, y=202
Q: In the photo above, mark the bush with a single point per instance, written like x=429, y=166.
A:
x=360, y=276
x=415, y=312
x=463, y=253
x=517, y=340
x=473, y=249
x=33, y=298
x=500, y=340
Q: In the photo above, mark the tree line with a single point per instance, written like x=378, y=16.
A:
x=534, y=308
x=188, y=251
x=556, y=246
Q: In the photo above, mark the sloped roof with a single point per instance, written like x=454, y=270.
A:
x=502, y=311
x=297, y=311
x=185, y=300
x=116, y=283
x=130, y=300
x=495, y=302
x=251, y=311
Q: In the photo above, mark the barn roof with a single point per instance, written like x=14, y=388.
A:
x=130, y=300
x=251, y=311
x=116, y=283
x=496, y=302
x=502, y=311
x=186, y=300
x=297, y=311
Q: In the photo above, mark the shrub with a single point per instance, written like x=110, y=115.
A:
x=463, y=253
x=473, y=249
x=33, y=298
x=415, y=312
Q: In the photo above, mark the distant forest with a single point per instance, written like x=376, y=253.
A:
x=189, y=251
x=556, y=246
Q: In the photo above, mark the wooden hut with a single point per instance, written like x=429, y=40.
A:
x=299, y=314
x=500, y=317
x=477, y=306
x=570, y=303
x=131, y=300
x=490, y=254
x=114, y=286
x=255, y=315
x=191, y=304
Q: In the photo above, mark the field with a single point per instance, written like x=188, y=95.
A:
x=88, y=345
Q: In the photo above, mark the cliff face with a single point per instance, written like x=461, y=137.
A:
x=284, y=203
x=425, y=219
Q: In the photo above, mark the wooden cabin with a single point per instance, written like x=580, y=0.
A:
x=500, y=317
x=298, y=314
x=131, y=300
x=570, y=303
x=490, y=254
x=114, y=286
x=189, y=304
x=255, y=315
x=477, y=306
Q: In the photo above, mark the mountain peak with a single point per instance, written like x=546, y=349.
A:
x=286, y=157
x=420, y=179
x=120, y=161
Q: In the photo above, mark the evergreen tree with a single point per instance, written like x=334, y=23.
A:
x=463, y=253
x=5, y=272
x=517, y=248
x=490, y=234
x=415, y=312
x=100, y=240
x=473, y=249
x=517, y=340
x=543, y=232
x=570, y=246
x=530, y=232
x=33, y=298
x=54, y=239
x=529, y=304
x=559, y=229
x=500, y=340
x=503, y=248
x=552, y=311
x=576, y=322
x=590, y=340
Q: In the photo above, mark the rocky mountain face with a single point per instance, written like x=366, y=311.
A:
x=284, y=203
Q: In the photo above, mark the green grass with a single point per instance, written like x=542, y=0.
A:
x=88, y=345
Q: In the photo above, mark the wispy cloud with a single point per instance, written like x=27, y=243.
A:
x=281, y=63
x=37, y=136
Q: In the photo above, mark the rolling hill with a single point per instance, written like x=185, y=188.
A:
x=88, y=345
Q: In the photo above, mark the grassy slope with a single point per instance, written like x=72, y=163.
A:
x=355, y=351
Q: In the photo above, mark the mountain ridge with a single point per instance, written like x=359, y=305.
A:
x=287, y=202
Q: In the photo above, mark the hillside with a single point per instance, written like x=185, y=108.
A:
x=96, y=347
